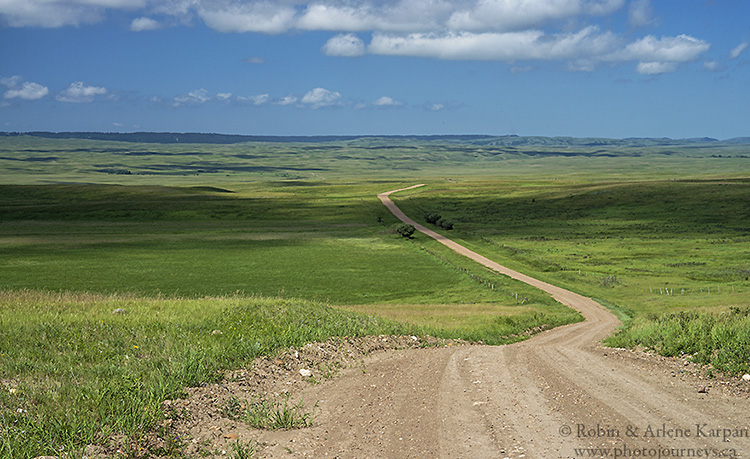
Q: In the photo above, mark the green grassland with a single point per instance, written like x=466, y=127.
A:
x=652, y=246
x=278, y=244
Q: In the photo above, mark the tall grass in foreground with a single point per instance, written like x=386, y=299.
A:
x=719, y=339
x=79, y=368
x=73, y=373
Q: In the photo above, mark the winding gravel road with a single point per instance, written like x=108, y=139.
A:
x=556, y=395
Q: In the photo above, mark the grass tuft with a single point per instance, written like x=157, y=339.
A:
x=721, y=340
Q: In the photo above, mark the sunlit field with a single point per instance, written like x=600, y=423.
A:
x=282, y=244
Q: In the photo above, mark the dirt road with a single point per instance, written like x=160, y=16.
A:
x=557, y=395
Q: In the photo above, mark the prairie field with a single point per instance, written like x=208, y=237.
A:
x=279, y=244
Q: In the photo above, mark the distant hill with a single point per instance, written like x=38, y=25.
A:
x=738, y=140
x=489, y=140
x=194, y=137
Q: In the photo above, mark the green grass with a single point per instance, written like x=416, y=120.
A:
x=720, y=340
x=670, y=258
x=242, y=450
x=262, y=412
x=29, y=160
x=74, y=373
x=649, y=246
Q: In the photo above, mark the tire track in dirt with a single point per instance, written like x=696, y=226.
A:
x=552, y=396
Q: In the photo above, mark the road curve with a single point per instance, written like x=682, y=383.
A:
x=556, y=395
x=592, y=311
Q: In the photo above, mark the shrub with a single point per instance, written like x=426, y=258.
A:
x=432, y=217
x=405, y=230
x=445, y=224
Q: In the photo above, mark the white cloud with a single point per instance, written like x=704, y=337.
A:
x=286, y=100
x=344, y=45
x=640, y=13
x=319, y=16
x=508, y=46
x=197, y=97
x=357, y=16
x=682, y=48
x=263, y=17
x=436, y=107
x=320, y=97
x=11, y=82
x=200, y=96
x=737, y=50
x=503, y=30
x=79, y=93
x=386, y=101
x=510, y=15
x=141, y=24
x=260, y=99
x=26, y=91
x=656, y=68
x=59, y=13
x=267, y=16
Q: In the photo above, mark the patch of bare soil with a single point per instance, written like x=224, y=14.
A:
x=390, y=396
x=203, y=424
x=703, y=378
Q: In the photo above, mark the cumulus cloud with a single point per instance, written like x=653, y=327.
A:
x=26, y=91
x=263, y=17
x=12, y=81
x=260, y=99
x=286, y=100
x=400, y=15
x=344, y=45
x=141, y=24
x=386, y=101
x=319, y=16
x=582, y=49
x=507, y=46
x=266, y=16
x=78, y=92
x=200, y=97
x=510, y=15
x=737, y=50
x=503, y=30
x=197, y=97
x=682, y=48
x=59, y=13
x=640, y=13
x=320, y=97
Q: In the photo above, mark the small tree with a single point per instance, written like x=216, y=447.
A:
x=432, y=217
x=405, y=230
x=445, y=224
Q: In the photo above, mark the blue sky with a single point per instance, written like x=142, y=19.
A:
x=604, y=68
